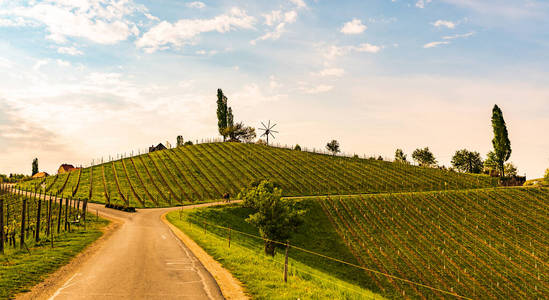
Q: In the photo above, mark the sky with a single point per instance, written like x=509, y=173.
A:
x=82, y=80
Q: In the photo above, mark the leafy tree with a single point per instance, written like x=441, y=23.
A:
x=180, y=141
x=424, y=157
x=333, y=147
x=467, y=161
x=240, y=133
x=34, y=166
x=230, y=117
x=188, y=143
x=297, y=147
x=380, y=158
x=510, y=169
x=400, y=156
x=501, y=143
x=275, y=218
x=222, y=112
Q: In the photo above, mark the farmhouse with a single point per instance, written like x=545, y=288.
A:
x=65, y=168
x=40, y=175
x=157, y=147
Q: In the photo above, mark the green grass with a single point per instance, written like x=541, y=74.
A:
x=20, y=270
x=310, y=277
x=205, y=172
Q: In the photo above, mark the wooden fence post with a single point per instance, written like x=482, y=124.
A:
x=23, y=217
x=229, y=237
x=2, y=190
x=66, y=212
x=59, y=214
x=286, y=263
x=38, y=213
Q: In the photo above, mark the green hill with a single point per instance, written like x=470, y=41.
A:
x=207, y=171
x=480, y=244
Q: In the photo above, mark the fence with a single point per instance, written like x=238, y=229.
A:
x=229, y=234
x=34, y=217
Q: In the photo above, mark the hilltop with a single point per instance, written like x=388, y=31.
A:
x=208, y=171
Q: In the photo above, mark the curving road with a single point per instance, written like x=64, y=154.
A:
x=142, y=259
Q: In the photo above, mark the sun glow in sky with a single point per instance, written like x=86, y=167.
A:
x=80, y=80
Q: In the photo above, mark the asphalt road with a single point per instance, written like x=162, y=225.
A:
x=141, y=260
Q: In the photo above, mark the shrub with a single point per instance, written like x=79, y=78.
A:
x=297, y=147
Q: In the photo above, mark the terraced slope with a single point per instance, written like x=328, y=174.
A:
x=207, y=171
x=481, y=244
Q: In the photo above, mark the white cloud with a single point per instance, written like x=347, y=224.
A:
x=15, y=22
x=278, y=19
x=319, y=89
x=63, y=63
x=443, y=23
x=353, y=27
x=336, y=72
x=101, y=21
x=290, y=16
x=273, y=84
x=273, y=17
x=196, y=4
x=335, y=51
x=272, y=35
x=39, y=64
x=434, y=44
x=204, y=52
x=422, y=3
x=185, y=30
x=299, y=3
x=151, y=17
x=458, y=36
x=69, y=51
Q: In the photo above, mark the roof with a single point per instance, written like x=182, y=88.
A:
x=40, y=174
x=67, y=167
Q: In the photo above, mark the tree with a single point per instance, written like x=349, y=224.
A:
x=467, y=161
x=547, y=175
x=275, y=218
x=333, y=147
x=501, y=143
x=230, y=117
x=510, y=169
x=297, y=147
x=222, y=112
x=34, y=166
x=180, y=141
x=400, y=156
x=424, y=157
x=240, y=133
x=190, y=143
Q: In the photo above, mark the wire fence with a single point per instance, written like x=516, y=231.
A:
x=206, y=227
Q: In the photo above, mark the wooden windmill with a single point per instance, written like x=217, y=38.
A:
x=268, y=130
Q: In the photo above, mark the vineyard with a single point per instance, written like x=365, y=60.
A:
x=485, y=243
x=38, y=234
x=207, y=171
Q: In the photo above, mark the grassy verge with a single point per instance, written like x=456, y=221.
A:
x=309, y=277
x=19, y=270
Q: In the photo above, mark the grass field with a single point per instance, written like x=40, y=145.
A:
x=308, y=277
x=207, y=171
x=485, y=243
x=19, y=269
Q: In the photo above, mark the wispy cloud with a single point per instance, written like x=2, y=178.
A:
x=458, y=36
x=443, y=23
x=335, y=51
x=422, y=3
x=435, y=44
x=336, y=72
x=69, y=51
x=183, y=31
x=196, y=4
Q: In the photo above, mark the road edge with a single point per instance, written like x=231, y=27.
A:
x=55, y=280
x=230, y=287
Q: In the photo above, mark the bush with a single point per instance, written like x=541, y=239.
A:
x=120, y=207
x=297, y=147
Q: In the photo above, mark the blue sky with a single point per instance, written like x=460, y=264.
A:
x=85, y=79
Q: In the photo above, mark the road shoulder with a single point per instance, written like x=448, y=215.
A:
x=231, y=288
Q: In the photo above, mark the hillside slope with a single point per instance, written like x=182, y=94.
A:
x=207, y=171
x=479, y=244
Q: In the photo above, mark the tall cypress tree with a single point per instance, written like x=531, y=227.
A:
x=230, y=118
x=501, y=143
x=34, y=166
x=221, y=112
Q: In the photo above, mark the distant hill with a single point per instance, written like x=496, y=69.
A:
x=207, y=171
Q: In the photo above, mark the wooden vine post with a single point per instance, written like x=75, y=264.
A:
x=2, y=190
x=38, y=213
x=60, y=211
x=286, y=262
x=23, y=217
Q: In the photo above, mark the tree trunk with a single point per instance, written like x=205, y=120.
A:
x=270, y=248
